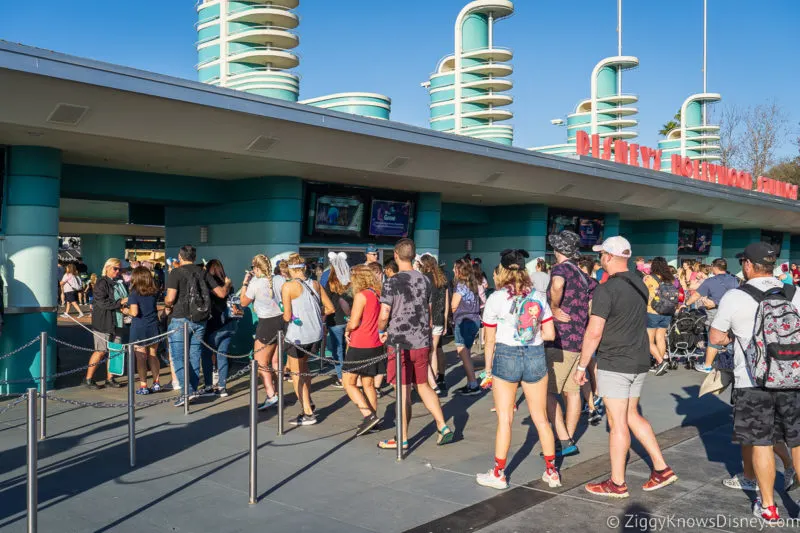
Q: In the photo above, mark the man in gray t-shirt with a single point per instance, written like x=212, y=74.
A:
x=408, y=293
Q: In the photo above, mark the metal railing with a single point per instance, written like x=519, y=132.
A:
x=249, y=49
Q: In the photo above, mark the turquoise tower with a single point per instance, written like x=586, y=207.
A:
x=467, y=89
x=693, y=138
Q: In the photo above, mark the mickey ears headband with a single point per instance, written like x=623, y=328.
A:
x=509, y=258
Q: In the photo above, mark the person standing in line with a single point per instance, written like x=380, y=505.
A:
x=406, y=320
x=364, y=344
x=371, y=254
x=60, y=271
x=304, y=305
x=110, y=298
x=617, y=333
x=465, y=305
x=382, y=275
x=258, y=288
x=143, y=310
x=540, y=277
x=658, y=322
x=71, y=285
x=518, y=321
x=569, y=295
x=762, y=419
x=440, y=295
x=341, y=296
x=188, y=301
x=220, y=330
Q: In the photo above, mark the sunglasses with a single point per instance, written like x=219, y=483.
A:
x=115, y=269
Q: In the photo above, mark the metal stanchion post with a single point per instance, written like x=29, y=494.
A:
x=131, y=403
x=253, y=429
x=399, y=391
x=185, y=390
x=43, y=386
x=279, y=377
x=33, y=497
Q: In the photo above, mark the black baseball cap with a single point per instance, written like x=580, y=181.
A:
x=760, y=253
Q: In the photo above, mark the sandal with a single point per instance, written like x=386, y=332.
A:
x=143, y=390
x=445, y=436
x=391, y=444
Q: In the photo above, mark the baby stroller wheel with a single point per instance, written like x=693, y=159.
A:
x=673, y=364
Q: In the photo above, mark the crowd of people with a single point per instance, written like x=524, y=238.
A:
x=580, y=335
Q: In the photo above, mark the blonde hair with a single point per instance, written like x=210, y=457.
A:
x=516, y=281
x=362, y=277
x=111, y=261
x=283, y=267
x=263, y=263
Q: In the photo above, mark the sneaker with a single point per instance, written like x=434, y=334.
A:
x=65, y=315
x=215, y=378
x=595, y=417
x=81, y=315
x=767, y=514
x=304, y=420
x=660, y=479
x=269, y=402
x=490, y=480
x=221, y=392
x=112, y=382
x=179, y=401
x=466, y=390
x=142, y=390
x=742, y=483
x=661, y=368
x=608, y=488
x=156, y=387
x=552, y=477
x=206, y=392
x=789, y=477
x=368, y=423
x=91, y=384
x=598, y=402
x=338, y=384
x=701, y=367
x=564, y=451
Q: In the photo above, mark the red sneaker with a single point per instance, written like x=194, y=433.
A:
x=608, y=488
x=767, y=514
x=660, y=479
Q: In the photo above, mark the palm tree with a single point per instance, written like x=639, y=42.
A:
x=671, y=125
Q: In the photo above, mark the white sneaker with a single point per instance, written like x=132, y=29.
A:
x=788, y=479
x=552, y=478
x=490, y=480
x=65, y=315
x=81, y=315
x=740, y=482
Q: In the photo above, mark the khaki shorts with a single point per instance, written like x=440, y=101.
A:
x=101, y=340
x=561, y=366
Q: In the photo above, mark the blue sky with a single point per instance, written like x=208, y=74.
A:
x=389, y=47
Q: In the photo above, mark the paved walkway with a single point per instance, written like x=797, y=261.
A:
x=192, y=472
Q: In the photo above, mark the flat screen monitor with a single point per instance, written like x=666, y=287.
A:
x=687, y=236
x=338, y=215
x=591, y=231
x=389, y=218
x=775, y=238
x=702, y=241
x=559, y=223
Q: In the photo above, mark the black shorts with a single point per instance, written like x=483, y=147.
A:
x=268, y=328
x=71, y=296
x=763, y=418
x=355, y=357
x=293, y=351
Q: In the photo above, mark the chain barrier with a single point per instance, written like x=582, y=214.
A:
x=73, y=346
x=21, y=398
x=60, y=374
x=249, y=354
x=116, y=405
x=24, y=346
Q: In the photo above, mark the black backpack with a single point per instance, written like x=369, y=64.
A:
x=198, y=299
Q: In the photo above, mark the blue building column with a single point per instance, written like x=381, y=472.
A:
x=733, y=242
x=95, y=249
x=794, y=254
x=428, y=223
x=612, y=225
x=653, y=238
x=786, y=249
x=716, y=242
x=31, y=249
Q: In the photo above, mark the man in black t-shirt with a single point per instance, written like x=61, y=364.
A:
x=617, y=333
x=180, y=305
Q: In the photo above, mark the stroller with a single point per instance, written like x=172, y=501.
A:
x=686, y=338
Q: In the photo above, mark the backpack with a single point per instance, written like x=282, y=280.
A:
x=198, y=300
x=773, y=354
x=526, y=312
x=666, y=299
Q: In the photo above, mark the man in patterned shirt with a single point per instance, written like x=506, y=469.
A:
x=569, y=294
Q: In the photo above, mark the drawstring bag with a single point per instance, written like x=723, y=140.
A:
x=116, y=359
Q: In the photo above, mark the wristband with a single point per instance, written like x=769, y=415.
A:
x=381, y=332
x=581, y=368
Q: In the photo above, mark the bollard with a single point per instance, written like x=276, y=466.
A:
x=132, y=404
x=185, y=390
x=33, y=497
x=279, y=377
x=253, y=429
x=43, y=386
x=399, y=404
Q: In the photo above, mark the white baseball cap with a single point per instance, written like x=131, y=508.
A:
x=618, y=246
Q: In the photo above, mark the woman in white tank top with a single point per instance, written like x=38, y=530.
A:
x=304, y=305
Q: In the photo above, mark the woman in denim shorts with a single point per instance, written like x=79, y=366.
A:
x=518, y=320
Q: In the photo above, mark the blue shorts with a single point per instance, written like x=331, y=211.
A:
x=465, y=332
x=658, y=321
x=519, y=363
